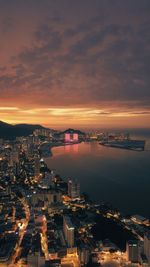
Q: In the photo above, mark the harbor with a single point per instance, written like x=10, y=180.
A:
x=123, y=141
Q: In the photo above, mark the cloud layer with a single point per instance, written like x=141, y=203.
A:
x=90, y=55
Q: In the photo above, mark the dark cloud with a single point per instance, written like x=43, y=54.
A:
x=102, y=56
x=7, y=24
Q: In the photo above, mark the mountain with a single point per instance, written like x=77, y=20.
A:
x=4, y=124
x=9, y=131
x=71, y=131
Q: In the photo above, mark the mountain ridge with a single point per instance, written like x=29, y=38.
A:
x=9, y=131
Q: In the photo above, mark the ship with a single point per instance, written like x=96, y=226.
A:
x=124, y=142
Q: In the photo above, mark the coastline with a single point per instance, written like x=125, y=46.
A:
x=46, y=151
x=89, y=164
x=105, y=216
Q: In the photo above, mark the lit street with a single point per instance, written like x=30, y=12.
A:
x=22, y=229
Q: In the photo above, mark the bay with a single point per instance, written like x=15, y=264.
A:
x=118, y=176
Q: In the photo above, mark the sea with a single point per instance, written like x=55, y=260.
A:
x=117, y=176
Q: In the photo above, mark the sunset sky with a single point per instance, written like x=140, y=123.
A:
x=75, y=63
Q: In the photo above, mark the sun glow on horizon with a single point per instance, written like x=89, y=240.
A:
x=74, y=116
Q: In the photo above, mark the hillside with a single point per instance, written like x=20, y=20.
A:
x=9, y=131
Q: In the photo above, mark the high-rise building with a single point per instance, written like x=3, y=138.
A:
x=43, y=132
x=84, y=254
x=46, y=180
x=71, y=137
x=16, y=168
x=75, y=137
x=14, y=157
x=147, y=246
x=35, y=259
x=133, y=251
x=1, y=142
x=46, y=198
x=37, y=166
x=73, y=189
x=68, y=229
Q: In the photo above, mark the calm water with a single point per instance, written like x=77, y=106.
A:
x=121, y=177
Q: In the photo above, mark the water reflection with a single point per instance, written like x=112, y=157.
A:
x=67, y=148
x=75, y=148
x=71, y=148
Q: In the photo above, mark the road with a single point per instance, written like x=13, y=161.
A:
x=22, y=229
x=71, y=260
x=44, y=241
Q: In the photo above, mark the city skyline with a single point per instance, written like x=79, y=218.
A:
x=74, y=133
x=75, y=63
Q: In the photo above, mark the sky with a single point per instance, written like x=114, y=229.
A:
x=75, y=63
